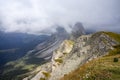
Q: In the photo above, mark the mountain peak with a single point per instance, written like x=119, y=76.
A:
x=72, y=54
x=77, y=30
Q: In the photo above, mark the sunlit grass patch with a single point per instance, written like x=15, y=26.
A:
x=59, y=60
x=98, y=69
x=46, y=74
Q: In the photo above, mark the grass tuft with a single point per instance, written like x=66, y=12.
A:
x=59, y=60
x=42, y=79
x=46, y=74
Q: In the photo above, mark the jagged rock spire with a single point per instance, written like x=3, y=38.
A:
x=77, y=30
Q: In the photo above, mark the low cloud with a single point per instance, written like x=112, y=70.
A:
x=36, y=16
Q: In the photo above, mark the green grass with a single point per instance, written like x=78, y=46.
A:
x=99, y=69
x=19, y=69
x=42, y=79
x=113, y=35
x=104, y=68
x=59, y=60
x=64, y=53
x=71, y=42
x=46, y=74
x=115, y=51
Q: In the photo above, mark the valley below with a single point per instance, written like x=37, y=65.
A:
x=63, y=56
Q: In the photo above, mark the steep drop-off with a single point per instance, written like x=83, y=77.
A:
x=70, y=55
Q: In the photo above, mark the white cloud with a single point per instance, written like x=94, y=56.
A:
x=37, y=15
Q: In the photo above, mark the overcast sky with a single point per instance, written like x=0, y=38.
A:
x=35, y=16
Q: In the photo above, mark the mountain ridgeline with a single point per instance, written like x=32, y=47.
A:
x=36, y=55
x=72, y=54
x=60, y=54
x=15, y=45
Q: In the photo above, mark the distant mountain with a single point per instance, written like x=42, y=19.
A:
x=40, y=54
x=16, y=45
x=67, y=60
x=77, y=30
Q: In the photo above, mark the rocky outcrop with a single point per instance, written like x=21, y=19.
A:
x=42, y=52
x=45, y=50
x=58, y=58
x=70, y=55
x=30, y=63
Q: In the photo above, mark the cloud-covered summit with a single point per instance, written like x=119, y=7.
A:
x=35, y=16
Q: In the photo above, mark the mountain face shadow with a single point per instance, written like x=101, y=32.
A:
x=34, y=61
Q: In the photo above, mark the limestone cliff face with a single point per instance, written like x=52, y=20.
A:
x=70, y=55
x=45, y=71
x=61, y=53
x=30, y=64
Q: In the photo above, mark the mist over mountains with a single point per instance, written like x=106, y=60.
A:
x=39, y=16
x=24, y=55
x=47, y=39
x=22, y=50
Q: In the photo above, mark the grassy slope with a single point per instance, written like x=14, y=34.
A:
x=99, y=69
x=115, y=36
x=103, y=68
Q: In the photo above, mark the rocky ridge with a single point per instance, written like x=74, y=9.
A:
x=31, y=63
x=72, y=54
